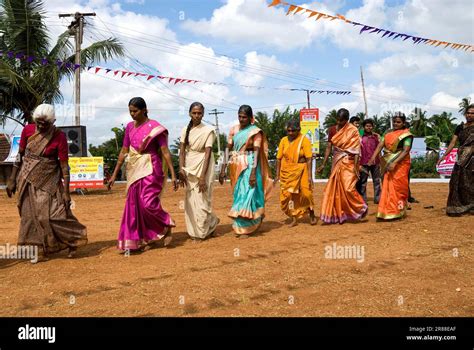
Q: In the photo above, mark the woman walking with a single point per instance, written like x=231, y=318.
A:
x=43, y=200
x=196, y=174
x=249, y=171
x=293, y=170
x=461, y=183
x=395, y=167
x=341, y=201
x=146, y=142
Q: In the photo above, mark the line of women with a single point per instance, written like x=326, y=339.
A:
x=44, y=201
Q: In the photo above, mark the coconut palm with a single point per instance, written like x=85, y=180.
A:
x=464, y=105
x=25, y=80
x=419, y=122
x=330, y=119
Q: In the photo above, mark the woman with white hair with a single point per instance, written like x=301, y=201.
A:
x=43, y=200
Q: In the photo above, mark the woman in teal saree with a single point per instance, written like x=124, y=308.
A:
x=248, y=168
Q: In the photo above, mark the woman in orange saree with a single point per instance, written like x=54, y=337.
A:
x=395, y=167
x=341, y=201
x=293, y=170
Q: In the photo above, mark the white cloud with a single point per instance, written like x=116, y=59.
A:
x=254, y=64
x=400, y=66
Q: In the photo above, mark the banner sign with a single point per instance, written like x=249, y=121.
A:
x=86, y=172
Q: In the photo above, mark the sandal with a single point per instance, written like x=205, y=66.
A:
x=167, y=238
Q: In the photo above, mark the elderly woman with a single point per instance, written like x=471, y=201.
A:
x=43, y=198
x=293, y=170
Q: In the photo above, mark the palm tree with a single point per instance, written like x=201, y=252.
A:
x=419, y=122
x=361, y=116
x=464, y=105
x=330, y=119
x=26, y=81
x=442, y=125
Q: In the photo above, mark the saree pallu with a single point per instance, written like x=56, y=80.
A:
x=296, y=196
x=395, y=184
x=45, y=219
x=341, y=201
x=461, y=183
x=248, y=208
x=144, y=219
x=199, y=218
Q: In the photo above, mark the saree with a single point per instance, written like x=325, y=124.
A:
x=341, y=201
x=248, y=207
x=144, y=218
x=461, y=183
x=45, y=219
x=296, y=196
x=199, y=218
x=395, y=190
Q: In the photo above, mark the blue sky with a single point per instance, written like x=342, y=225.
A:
x=176, y=37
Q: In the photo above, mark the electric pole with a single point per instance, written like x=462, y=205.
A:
x=76, y=28
x=363, y=92
x=307, y=97
x=215, y=112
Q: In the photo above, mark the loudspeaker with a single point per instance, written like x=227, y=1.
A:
x=76, y=140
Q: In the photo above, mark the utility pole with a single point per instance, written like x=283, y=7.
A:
x=307, y=97
x=363, y=92
x=215, y=112
x=76, y=28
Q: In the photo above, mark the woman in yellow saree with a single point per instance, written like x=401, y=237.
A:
x=293, y=170
x=341, y=201
x=248, y=168
x=395, y=167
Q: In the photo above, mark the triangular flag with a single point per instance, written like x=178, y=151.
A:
x=107, y=70
x=129, y=74
x=170, y=80
x=150, y=77
x=77, y=66
x=313, y=13
x=97, y=69
x=291, y=9
x=298, y=9
x=177, y=81
x=123, y=73
x=115, y=72
x=275, y=3
x=89, y=68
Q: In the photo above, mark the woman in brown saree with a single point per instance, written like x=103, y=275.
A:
x=43, y=200
x=461, y=184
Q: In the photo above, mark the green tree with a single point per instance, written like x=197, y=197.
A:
x=464, y=105
x=110, y=149
x=25, y=83
x=330, y=119
x=275, y=128
x=419, y=122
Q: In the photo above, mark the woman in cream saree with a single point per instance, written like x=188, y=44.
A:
x=196, y=174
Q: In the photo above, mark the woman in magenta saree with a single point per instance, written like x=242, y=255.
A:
x=144, y=220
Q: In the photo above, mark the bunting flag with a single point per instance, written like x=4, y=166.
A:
x=176, y=81
x=171, y=80
x=294, y=9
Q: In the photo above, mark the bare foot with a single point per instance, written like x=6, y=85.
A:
x=167, y=238
x=313, y=220
x=243, y=236
x=72, y=253
x=293, y=222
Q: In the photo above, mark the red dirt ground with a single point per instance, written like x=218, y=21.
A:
x=410, y=268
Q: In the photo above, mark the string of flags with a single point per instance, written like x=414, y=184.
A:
x=43, y=61
x=294, y=9
x=171, y=80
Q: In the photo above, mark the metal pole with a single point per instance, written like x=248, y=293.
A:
x=363, y=91
x=308, y=98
